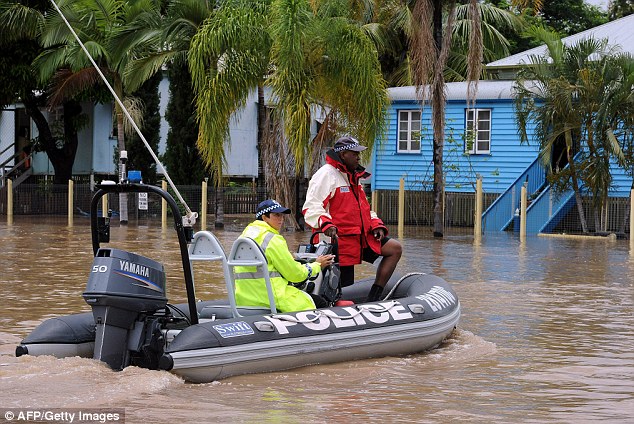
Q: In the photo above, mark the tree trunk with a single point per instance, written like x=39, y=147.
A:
x=575, y=183
x=62, y=157
x=438, y=116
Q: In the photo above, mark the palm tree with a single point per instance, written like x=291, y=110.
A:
x=20, y=28
x=581, y=94
x=167, y=38
x=430, y=43
x=437, y=41
x=102, y=26
x=172, y=39
x=395, y=21
x=311, y=53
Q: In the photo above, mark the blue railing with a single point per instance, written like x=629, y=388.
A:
x=500, y=214
x=545, y=212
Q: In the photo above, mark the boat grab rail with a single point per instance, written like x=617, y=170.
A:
x=246, y=252
x=400, y=280
x=181, y=225
x=206, y=247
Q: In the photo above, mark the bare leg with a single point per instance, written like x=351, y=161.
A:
x=391, y=252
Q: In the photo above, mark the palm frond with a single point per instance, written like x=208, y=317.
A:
x=66, y=84
x=19, y=21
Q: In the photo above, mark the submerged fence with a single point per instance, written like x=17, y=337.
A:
x=238, y=204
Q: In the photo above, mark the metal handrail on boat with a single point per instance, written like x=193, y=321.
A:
x=184, y=233
x=246, y=252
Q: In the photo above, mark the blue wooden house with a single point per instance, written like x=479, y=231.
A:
x=482, y=139
x=493, y=149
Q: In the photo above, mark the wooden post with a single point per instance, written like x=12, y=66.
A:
x=523, y=206
x=203, y=207
x=401, y=208
x=164, y=207
x=632, y=216
x=70, y=202
x=477, y=220
x=9, y=201
x=375, y=200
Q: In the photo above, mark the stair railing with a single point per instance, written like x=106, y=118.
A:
x=500, y=213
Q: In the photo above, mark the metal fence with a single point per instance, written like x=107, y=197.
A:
x=419, y=208
x=616, y=217
x=45, y=198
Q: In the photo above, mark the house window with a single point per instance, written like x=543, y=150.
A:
x=409, y=131
x=478, y=131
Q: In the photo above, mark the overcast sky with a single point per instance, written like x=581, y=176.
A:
x=603, y=4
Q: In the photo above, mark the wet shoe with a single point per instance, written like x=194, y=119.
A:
x=344, y=303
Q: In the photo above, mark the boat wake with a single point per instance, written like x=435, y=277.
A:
x=46, y=381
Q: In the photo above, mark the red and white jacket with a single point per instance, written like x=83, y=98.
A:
x=335, y=197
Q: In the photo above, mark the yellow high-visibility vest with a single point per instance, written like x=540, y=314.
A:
x=283, y=268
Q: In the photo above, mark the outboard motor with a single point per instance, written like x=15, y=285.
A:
x=125, y=290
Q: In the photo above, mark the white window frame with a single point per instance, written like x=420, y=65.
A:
x=482, y=135
x=412, y=130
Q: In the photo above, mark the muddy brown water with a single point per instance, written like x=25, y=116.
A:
x=546, y=335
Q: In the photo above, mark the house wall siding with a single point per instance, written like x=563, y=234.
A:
x=103, y=144
x=508, y=158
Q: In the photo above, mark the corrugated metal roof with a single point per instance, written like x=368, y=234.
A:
x=619, y=32
x=487, y=90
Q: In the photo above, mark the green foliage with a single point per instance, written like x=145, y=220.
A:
x=566, y=17
x=182, y=159
x=310, y=53
x=138, y=156
x=580, y=98
x=620, y=8
x=569, y=17
x=19, y=26
x=16, y=77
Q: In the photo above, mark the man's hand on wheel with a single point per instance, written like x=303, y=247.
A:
x=331, y=232
x=379, y=233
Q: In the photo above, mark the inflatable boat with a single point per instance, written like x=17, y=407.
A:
x=133, y=324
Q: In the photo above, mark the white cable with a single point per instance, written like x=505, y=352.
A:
x=297, y=321
x=190, y=214
x=387, y=296
x=331, y=314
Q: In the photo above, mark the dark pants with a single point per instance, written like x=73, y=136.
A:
x=347, y=272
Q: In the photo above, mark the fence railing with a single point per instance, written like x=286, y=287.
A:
x=542, y=213
x=240, y=203
x=500, y=214
x=459, y=210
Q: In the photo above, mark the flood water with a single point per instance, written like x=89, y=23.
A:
x=546, y=335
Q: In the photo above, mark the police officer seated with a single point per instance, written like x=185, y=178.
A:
x=282, y=266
